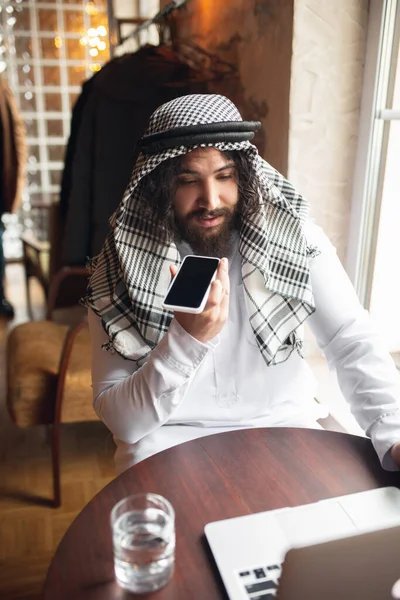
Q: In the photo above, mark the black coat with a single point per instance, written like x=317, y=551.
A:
x=111, y=118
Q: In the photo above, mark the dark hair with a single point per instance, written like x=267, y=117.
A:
x=157, y=188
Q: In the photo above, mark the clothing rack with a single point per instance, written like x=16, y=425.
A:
x=158, y=18
x=211, y=66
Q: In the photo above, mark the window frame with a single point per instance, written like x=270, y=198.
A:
x=376, y=114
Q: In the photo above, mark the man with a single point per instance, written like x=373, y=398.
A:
x=13, y=157
x=200, y=187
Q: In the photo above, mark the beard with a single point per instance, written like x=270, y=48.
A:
x=210, y=243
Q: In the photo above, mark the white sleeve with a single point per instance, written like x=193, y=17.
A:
x=134, y=401
x=345, y=333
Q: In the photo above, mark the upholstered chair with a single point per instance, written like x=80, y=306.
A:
x=49, y=377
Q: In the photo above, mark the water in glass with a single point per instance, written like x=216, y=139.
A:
x=144, y=547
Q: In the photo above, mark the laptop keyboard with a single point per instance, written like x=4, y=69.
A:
x=261, y=583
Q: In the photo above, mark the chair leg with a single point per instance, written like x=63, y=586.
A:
x=55, y=449
x=65, y=356
x=28, y=296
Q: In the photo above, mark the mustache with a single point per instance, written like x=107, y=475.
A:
x=203, y=212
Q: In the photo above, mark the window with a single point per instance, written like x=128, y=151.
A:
x=374, y=229
x=47, y=50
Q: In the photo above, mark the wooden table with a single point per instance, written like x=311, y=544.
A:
x=216, y=477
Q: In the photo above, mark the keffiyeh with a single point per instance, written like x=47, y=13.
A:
x=131, y=274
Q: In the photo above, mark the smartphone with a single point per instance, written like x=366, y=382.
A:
x=189, y=289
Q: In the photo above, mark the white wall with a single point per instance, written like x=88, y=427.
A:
x=326, y=83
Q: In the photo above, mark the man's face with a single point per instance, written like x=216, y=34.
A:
x=205, y=201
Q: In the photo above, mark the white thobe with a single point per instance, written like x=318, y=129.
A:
x=187, y=389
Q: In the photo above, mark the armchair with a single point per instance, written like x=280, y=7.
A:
x=49, y=373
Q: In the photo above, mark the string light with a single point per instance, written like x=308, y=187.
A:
x=91, y=8
x=93, y=40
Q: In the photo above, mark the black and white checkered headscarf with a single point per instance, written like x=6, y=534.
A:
x=131, y=274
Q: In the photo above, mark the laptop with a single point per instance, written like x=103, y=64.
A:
x=249, y=550
x=364, y=566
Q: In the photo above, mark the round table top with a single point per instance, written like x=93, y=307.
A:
x=211, y=478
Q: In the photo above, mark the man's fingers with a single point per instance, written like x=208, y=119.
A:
x=173, y=270
x=224, y=275
x=215, y=296
x=222, y=268
x=224, y=307
x=396, y=453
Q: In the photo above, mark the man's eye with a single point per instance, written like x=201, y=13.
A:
x=186, y=181
x=225, y=177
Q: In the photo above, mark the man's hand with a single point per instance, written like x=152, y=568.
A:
x=395, y=451
x=210, y=322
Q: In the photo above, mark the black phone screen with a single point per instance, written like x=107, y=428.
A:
x=192, y=281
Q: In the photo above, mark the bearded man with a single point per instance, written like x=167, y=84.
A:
x=200, y=187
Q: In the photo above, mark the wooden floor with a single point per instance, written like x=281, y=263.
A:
x=30, y=529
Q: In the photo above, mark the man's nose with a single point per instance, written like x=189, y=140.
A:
x=210, y=196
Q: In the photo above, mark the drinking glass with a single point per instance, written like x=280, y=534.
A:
x=143, y=529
